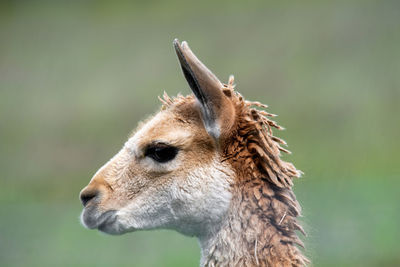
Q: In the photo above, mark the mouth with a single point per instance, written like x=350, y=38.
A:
x=106, y=218
x=93, y=219
x=107, y=222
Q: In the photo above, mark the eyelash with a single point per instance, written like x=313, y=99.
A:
x=161, y=153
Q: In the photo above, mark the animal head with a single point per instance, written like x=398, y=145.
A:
x=178, y=169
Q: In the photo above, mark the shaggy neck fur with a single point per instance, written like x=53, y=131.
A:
x=259, y=229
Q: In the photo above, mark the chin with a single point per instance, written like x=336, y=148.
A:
x=106, y=222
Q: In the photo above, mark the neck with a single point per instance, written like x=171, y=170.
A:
x=258, y=230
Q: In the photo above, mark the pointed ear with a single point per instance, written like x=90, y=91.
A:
x=217, y=109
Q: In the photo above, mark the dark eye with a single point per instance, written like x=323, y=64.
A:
x=161, y=152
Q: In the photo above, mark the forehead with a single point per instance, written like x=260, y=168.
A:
x=177, y=125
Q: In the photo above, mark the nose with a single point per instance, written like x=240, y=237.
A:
x=87, y=195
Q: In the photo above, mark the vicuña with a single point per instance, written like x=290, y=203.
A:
x=206, y=165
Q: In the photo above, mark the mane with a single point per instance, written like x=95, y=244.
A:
x=254, y=133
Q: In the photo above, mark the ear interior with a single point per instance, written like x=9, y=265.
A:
x=217, y=109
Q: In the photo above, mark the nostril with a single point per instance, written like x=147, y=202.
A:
x=88, y=195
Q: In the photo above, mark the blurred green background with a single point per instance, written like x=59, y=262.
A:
x=77, y=76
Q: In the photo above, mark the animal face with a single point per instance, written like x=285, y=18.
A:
x=168, y=174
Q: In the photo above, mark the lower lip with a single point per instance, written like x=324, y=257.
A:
x=106, y=218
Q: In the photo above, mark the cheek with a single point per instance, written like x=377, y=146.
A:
x=149, y=209
x=204, y=195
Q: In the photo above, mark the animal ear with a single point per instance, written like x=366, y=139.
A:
x=217, y=109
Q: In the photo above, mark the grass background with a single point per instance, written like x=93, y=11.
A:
x=77, y=76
